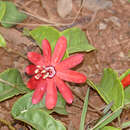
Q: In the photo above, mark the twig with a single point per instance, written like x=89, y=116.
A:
x=77, y=105
x=90, y=104
x=15, y=52
x=7, y=124
x=27, y=24
x=28, y=12
x=119, y=121
x=83, y=1
x=89, y=109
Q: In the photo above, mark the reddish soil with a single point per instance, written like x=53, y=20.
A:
x=108, y=32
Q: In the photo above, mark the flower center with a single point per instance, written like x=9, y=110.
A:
x=44, y=72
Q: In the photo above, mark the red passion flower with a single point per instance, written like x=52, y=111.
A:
x=126, y=81
x=49, y=72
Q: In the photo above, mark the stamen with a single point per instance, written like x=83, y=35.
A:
x=36, y=71
x=45, y=76
x=44, y=71
x=38, y=66
x=37, y=76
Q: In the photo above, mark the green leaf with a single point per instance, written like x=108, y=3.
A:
x=2, y=41
x=44, y=32
x=107, y=108
x=124, y=74
x=75, y=37
x=26, y=32
x=2, y=9
x=12, y=15
x=111, y=89
x=40, y=120
x=77, y=41
x=24, y=104
x=106, y=119
x=126, y=124
x=128, y=0
x=37, y=115
x=11, y=84
x=84, y=111
x=127, y=96
x=127, y=89
x=110, y=128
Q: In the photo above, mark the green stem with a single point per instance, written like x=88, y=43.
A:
x=7, y=124
x=84, y=111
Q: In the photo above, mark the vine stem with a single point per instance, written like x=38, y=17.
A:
x=7, y=124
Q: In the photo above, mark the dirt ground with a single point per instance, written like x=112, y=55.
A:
x=107, y=29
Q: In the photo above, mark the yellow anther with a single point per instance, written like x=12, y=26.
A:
x=45, y=76
x=36, y=71
x=43, y=71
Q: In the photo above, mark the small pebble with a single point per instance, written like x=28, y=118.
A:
x=102, y=26
x=121, y=54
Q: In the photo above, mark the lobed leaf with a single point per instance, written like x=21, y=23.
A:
x=24, y=104
x=76, y=39
x=40, y=120
x=11, y=84
x=124, y=74
x=127, y=89
x=44, y=32
x=37, y=115
x=111, y=89
x=2, y=9
x=127, y=96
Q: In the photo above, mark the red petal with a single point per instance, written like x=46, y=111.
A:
x=70, y=62
x=126, y=81
x=39, y=92
x=32, y=83
x=30, y=69
x=64, y=90
x=71, y=76
x=51, y=95
x=59, y=50
x=36, y=58
x=46, y=51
